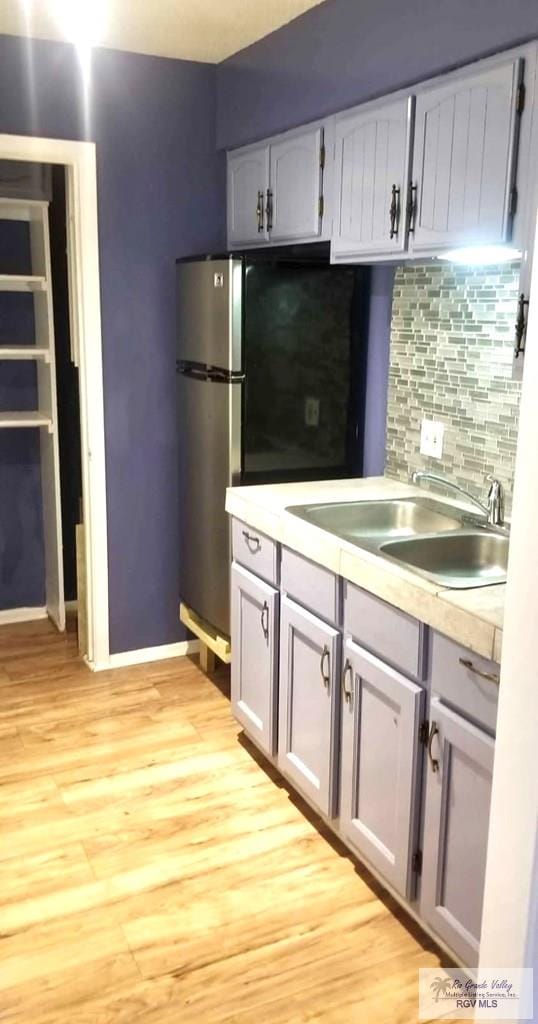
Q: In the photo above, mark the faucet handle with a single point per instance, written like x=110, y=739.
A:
x=495, y=501
x=496, y=484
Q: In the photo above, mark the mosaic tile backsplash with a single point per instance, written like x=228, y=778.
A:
x=452, y=337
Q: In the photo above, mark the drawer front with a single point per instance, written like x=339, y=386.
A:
x=395, y=637
x=255, y=551
x=311, y=585
x=460, y=678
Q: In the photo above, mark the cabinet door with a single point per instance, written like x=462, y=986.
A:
x=308, y=703
x=254, y=656
x=248, y=181
x=372, y=177
x=296, y=186
x=380, y=764
x=464, y=159
x=456, y=822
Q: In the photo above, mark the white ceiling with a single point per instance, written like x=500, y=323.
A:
x=205, y=30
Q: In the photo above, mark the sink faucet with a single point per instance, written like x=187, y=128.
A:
x=494, y=509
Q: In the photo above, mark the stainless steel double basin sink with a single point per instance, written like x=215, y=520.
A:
x=440, y=542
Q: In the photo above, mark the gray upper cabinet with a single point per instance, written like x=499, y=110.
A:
x=279, y=190
x=458, y=794
x=255, y=656
x=296, y=179
x=248, y=182
x=464, y=159
x=308, y=703
x=379, y=805
x=372, y=151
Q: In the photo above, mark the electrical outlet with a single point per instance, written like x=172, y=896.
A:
x=431, y=438
x=311, y=412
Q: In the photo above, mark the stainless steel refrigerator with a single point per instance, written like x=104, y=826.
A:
x=267, y=368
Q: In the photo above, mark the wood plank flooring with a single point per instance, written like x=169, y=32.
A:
x=153, y=871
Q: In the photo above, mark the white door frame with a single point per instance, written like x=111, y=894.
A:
x=509, y=923
x=79, y=159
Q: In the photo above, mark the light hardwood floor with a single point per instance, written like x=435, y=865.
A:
x=153, y=872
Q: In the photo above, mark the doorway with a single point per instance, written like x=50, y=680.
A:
x=74, y=167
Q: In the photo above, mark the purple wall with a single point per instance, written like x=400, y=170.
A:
x=161, y=195
x=346, y=51
x=377, y=372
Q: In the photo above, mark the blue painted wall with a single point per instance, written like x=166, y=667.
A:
x=161, y=195
x=346, y=51
x=377, y=372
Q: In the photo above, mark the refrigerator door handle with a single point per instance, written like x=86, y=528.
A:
x=219, y=376
x=198, y=371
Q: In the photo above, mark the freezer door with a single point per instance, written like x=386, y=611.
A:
x=209, y=418
x=209, y=312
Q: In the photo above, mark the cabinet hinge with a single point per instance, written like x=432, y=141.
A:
x=424, y=733
x=512, y=206
x=321, y=207
x=416, y=862
x=322, y=156
x=520, y=98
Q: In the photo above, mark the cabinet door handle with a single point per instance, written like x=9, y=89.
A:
x=521, y=325
x=259, y=210
x=492, y=676
x=434, y=731
x=394, y=212
x=265, y=620
x=269, y=210
x=253, y=543
x=411, y=208
x=325, y=674
x=348, y=690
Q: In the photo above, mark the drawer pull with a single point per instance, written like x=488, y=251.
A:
x=491, y=676
x=325, y=675
x=348, y=690
x=265, y=620
x=434, y=731
x=253, y=543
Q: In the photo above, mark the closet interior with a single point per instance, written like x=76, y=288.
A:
x=40, y=461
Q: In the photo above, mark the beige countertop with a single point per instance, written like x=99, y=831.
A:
x=472, y=617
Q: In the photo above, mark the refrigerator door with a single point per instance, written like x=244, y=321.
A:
x=210, y=461
x=209, y=312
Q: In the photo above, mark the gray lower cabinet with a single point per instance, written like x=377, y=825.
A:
x=254, y=678
x=308, y=703
x=357, y=740
x=380, y=766
x=458, y=793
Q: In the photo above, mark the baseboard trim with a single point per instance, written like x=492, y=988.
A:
x=146, y=654
x=11, y=615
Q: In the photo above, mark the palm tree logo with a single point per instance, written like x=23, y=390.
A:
x=440, y=986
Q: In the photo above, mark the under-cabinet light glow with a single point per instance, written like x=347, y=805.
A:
x=482, y=255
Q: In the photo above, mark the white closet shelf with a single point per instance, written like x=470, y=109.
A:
x=21, y=209
x=25, y=419
x=22, y=283
x=24, y=352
